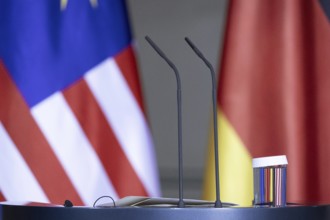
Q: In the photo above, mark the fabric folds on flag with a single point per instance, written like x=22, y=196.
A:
x=273, y=98
x=72, y=123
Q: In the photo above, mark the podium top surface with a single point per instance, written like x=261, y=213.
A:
x=8, y=212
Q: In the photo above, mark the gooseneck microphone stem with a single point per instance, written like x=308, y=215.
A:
x=161, y=53
x=218, y=203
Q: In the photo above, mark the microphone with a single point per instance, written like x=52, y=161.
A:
x=218, y=203
x=161, y=53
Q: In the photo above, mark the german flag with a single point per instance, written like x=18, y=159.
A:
x=274, y=98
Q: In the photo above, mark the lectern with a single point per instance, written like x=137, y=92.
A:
x=9, y=212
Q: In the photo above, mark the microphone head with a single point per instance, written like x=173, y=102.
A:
x=189, y=42
x=195, y=49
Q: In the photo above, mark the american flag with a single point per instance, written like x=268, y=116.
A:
x=72, y=123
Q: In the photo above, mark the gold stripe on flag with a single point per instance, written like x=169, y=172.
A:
x=235, y=167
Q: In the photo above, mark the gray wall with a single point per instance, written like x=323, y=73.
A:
x=167, y=22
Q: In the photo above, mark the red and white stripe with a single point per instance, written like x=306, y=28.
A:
x=91, y=139
x=16, y=176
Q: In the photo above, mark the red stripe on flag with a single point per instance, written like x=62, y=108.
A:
x=127, y=64
x=100, y=134
x=2, y=197
x=28, y=138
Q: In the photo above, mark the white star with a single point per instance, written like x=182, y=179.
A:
x=64, y=4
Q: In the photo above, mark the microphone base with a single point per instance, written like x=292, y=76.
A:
x=218, y=204
x=181, y=204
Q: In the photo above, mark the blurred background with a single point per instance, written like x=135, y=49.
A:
x=167, y=24
x=274, y=97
